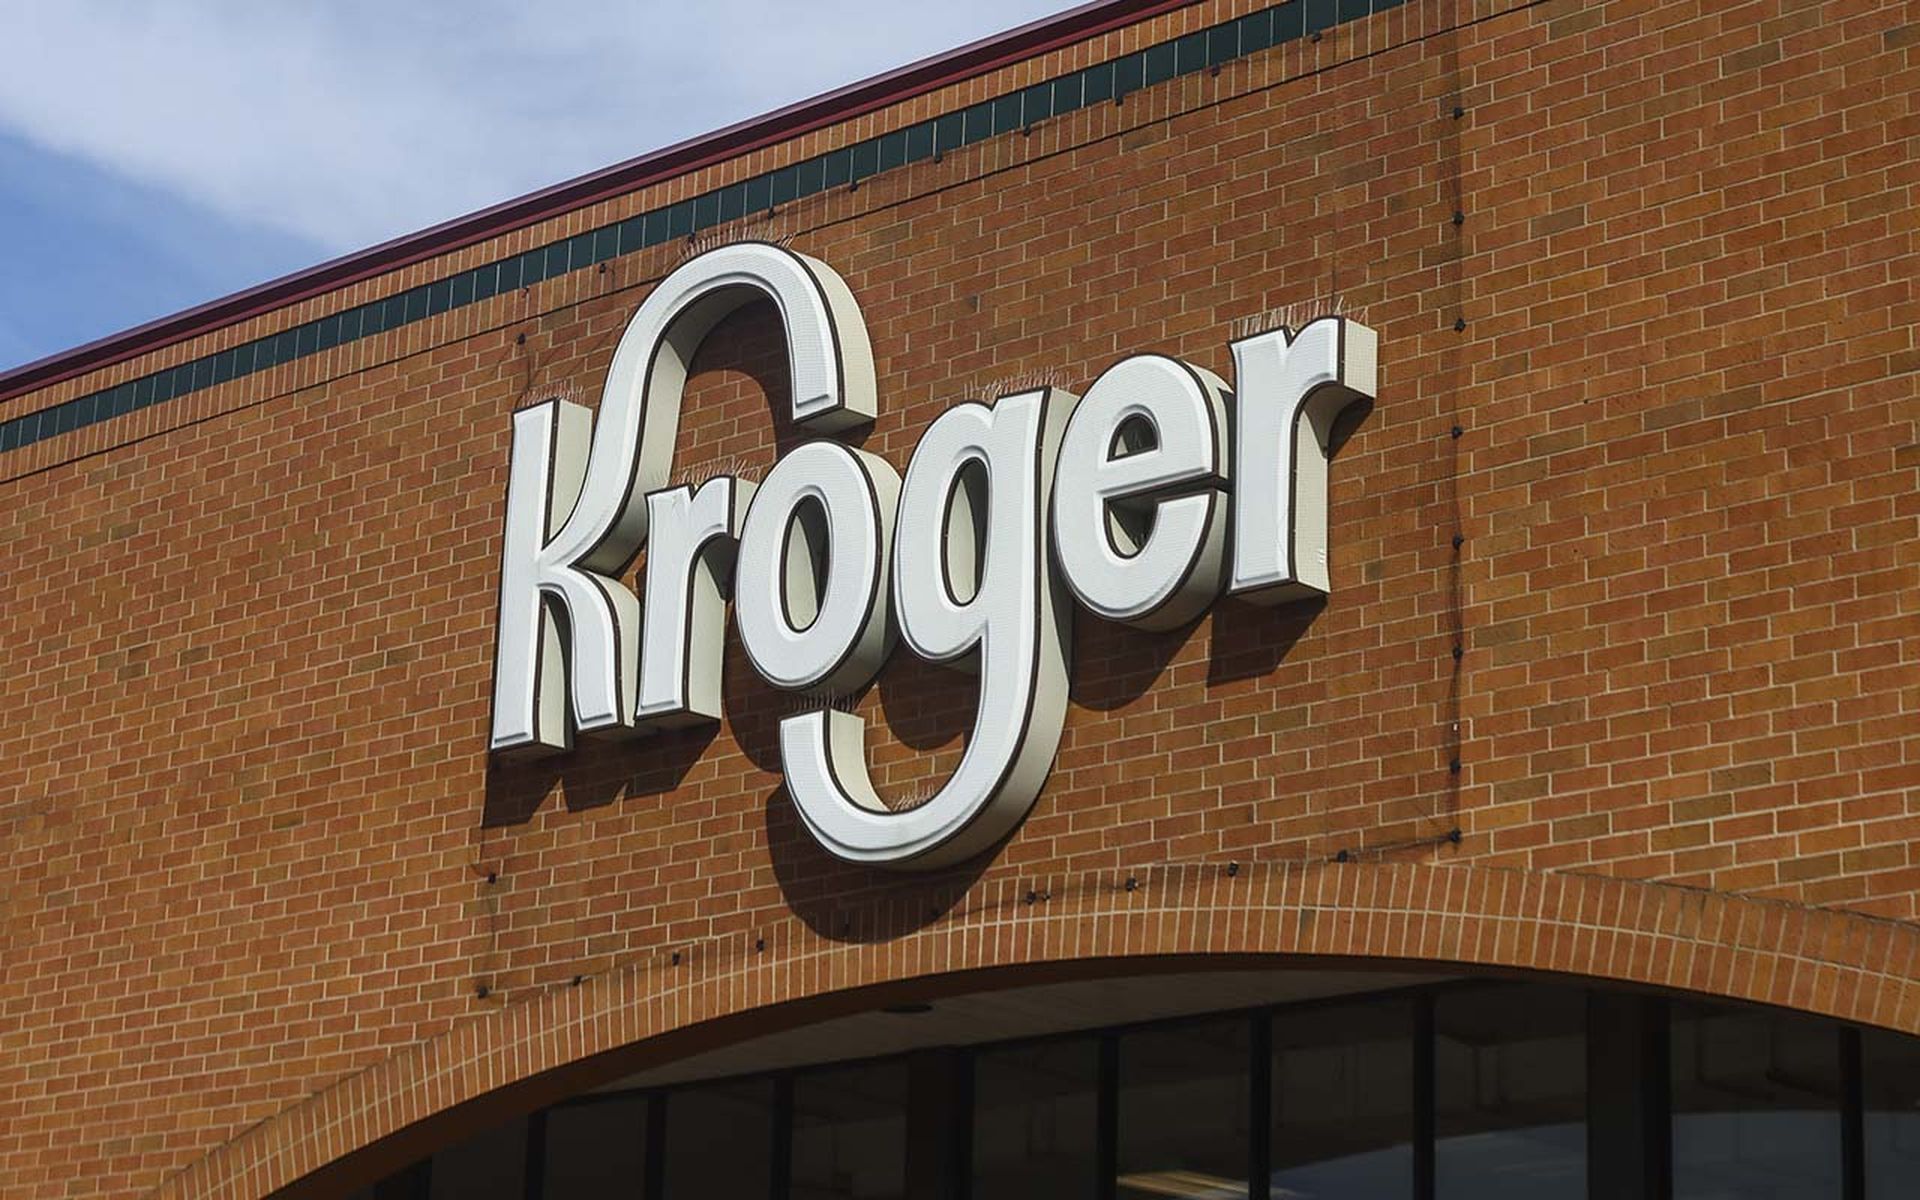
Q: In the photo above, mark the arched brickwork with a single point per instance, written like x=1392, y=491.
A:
x=530, y=1051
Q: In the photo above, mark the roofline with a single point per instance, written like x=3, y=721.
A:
x=828, y=108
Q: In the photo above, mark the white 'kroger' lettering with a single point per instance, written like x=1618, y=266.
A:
x=1140, y=502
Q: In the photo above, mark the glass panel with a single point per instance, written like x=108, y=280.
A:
x=1099, y=84
x=1890, y=1074
x=632, y=234
x=1343, y=1102
x=1190, y=53
x=1510, y=1092
x=1256, y=31
x=1290, y=21
x=408, y=1184
x=1036, y=103
x=837, y=167
x=1755, y=1106
x=720, y=1142
x=1006, y=114
x=1160, y=62
x=1035, y=1120
x=949, y=132
x=597, y=1149
x=850, y=1134
x=1185, y=1110
x=979, y=121
x=489, y=1167
x=1223, y=43
x=759, y=192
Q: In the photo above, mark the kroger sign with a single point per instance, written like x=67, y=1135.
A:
x=1140, y=501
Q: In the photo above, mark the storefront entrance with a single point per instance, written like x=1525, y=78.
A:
x=1243, y=1085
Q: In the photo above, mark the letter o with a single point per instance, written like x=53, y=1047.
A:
x=810, y=585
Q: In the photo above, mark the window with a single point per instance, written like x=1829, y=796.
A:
x=1184, y=1111
x=719, y=1141
x=1890, y=1113
x=850, y=1133
x=1343, y=1101
x=1510, y=1092
x=1036, y=1120
x=1756, y=1110
x=596, y=1149
x=489, y=1167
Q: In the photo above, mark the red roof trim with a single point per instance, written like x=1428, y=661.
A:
x=904, y=83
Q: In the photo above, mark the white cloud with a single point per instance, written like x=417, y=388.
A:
x=353, y=122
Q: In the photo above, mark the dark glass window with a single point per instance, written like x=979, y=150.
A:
x=1343, y=1101
x=1160, y=63
x=489, y=1167
x=1890, y=1076
x=632, y=235
x=1510, y=1092
x=1066, y=92
x=979, y=121
x=920, y=141
x=1185, y=1110
x=812, y=176
x=597, y=1149
x=1756, y=1110
x=950, y=131
x=785, y=185
x=1190, y=53
x=1035, y=1121
x=850, y=1134
x=1036, y=103
x=1006, y=113
x=759, y=192
x=1223, y=43
x=1289, y=21
x=720, y=1142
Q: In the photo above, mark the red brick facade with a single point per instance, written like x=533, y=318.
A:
x=267, y=901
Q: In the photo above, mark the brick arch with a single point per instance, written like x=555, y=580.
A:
x=528, y=1052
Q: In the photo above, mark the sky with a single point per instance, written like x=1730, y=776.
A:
x=154, y=156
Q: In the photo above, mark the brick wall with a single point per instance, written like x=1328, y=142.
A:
x=255, y=850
